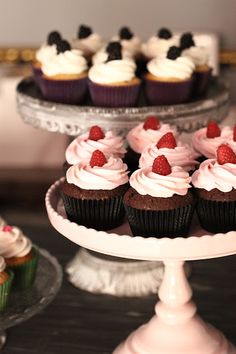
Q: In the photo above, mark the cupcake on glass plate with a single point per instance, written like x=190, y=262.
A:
x=206, y=140
x=82, y=147
x=169, y=80
x=20, y=256
x=200, y=57
x=138, y=138
x=130, y=42
x=215, y=186
x=113, y=83
x=102, y=55
x=177, y=153
x=159, y=202
x=64, y=77
x=6, y=279
x=93, y=192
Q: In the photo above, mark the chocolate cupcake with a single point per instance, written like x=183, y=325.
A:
x=6, y=278
x=93, y=193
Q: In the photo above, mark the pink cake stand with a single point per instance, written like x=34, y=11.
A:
x=175, y=327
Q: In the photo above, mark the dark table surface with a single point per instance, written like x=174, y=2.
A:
x=78, y=322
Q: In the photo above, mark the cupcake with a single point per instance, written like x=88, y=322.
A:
x=93, y=192
x=6, y=278
x=177, y=153
x=169, y=79
x=102, y=55
x=141, y=136
x=64, y=77
x=130, y=42
x=113, y=83
x=82, y=147
x=200, y=57
x=215, y=185
x=20, y=256
x=159, y=203
x=206, y=140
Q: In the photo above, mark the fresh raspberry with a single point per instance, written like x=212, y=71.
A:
x=167, y=141
x=161, y=166
x=151, y=122
x=96, y=133
x=7, y=228
x=98, y=159
x=213, y=130
x=225, y=154
x=234, y=136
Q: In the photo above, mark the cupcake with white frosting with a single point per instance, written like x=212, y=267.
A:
x=114, y=83
x=6, y=278
x=20, y=256
x=64, y=77
x=169, y=79
x=93, y=192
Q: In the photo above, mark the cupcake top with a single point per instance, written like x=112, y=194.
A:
x=160, y=180
x=49, y=49
x=172, y=66
x=130, y=42
x=2, y=264
x=199, y=55
x=219, y=173
x=87, y=41
x=177, y=153
x=102, y=55
x=148, y=132
x=98, y=174
x=81, y=148
x=158, y=46
x=206, y=140
x=66, y=61
x=13, y=243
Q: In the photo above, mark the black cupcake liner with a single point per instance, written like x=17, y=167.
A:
x=37, y=75
x=163, y=223
x=114, y=96
x=101, y=214
x=216, y=216
x=162, y=93
x=64, y=91
x=201, y=81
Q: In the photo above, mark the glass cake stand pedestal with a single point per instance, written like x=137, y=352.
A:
x=175, y=326
x=25, y=304
x=87, y=270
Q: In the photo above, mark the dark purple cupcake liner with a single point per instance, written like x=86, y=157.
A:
x=216, y=216
x=164, y=93
x=37, y=75
x=201, y=81
x=64, y=91
x=164, y=223
x=114, y=96
x=104, y=214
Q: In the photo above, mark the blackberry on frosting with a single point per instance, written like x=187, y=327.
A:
x=164, y=33
x=84, y=31
x=187, y=41
x=63, y=46
x=114, y=53
x=125, y=33
x=173, y=52
x=53, y=37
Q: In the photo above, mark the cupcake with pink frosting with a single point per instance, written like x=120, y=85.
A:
x=20, y=256
x=93, y=191
x=215, y=185
x=6, y=278
x=159, y=202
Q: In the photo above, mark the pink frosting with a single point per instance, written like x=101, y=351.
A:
x=81, y=148
x=207, y=147
x=139, y=138
x=144, y=181
x=212, y=175
x=182, y=155
x=111, y=175
x=13, y=243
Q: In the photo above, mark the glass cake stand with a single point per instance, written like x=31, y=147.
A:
x=175, y=326
x=25, y=304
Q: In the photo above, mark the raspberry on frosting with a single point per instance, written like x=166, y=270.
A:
x=213, y=130
x=167, y=141
x=98, y=159
x=151, y=122
x=225, y=155
x=96, y=133
x=161, y=166
x=234, y=133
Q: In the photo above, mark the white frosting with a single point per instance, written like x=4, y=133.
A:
x=2, y=264
x=144, y=181
x=199, y=55
x=158, y=47
x=14, y=243
x=111, y=175
x=181, y=68
x=46, y=53
x=69, y=62
x=122, y=70
x=88, y=45
x=132, y=45
x=101, y=56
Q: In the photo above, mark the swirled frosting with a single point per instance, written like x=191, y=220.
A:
x=69, y=62
x=88, y=45
x=101, y=56
x=2, y=264
x=13, y=243
x=111, y=175
x=212, y=175
x=182, y=155
x=206, y=146
x=158, y=47
x=81, y=148
x=144, y=181
x=46, y=53
x=132, y=45
x=181, y=68
x=139, y=138
x=113, y=71
x=2, y=222
x=199, y=55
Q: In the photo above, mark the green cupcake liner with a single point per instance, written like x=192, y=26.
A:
x=5, y=290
